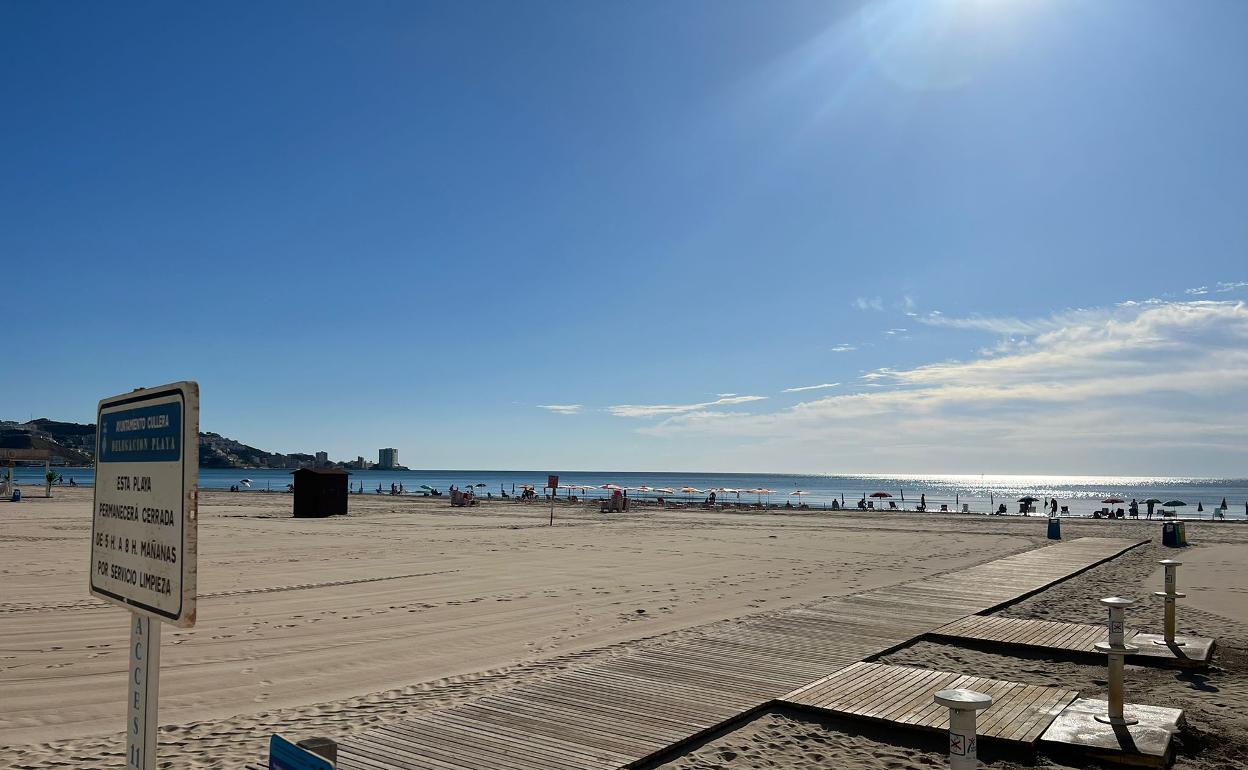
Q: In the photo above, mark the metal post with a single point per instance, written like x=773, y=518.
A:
x=144, y=684
x=1116, y=649
x=1171, y=594
x=963, y=705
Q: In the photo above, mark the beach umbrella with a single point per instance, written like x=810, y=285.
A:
x=665, y=490
x=246, y=483
x=1152, y=500
x=1174, y=503
x=1224, y=503
x=1113, y=500
x=798, y=494
x=880, y=494
x=690, y=490
x=426, y=487
x=1028, y=499
x=1200, y=507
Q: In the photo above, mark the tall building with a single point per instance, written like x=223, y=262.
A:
x=387, y=458
x=322, y=458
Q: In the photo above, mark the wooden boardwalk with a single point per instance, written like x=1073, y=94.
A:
x=1047, y=634
x=903, y=695
x=1074, y=638
x=625, y=711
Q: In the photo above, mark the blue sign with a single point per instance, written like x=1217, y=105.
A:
x=284, y=755
x=145, y=434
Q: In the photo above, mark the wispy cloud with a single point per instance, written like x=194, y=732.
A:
x=561, y=408
x=843, y=348
x=1225, y=286
x=1197, y=291
x=659, y=410
x=811, y=387
x=1094, y=389
x=869, y=303
x=895, y=332
x=1002, y=325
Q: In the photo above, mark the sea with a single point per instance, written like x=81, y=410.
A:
x=1082, y=494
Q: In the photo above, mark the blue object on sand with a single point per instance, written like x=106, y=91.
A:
x=284, y=755
x=17, y=496
x=1055, y=528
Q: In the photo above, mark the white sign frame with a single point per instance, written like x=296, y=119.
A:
x=128, y=539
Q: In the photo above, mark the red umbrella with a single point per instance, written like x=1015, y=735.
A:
x=880, y=494
x=1113, y=500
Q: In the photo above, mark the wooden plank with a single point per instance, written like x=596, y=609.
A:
x=616, y=712
x=904, y=695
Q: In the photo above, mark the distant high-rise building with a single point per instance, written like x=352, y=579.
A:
x=322, y=458
x=387, y=458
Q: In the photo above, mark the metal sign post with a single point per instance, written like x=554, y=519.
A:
x=552, y=481
x=144, y=532
x=144, y=685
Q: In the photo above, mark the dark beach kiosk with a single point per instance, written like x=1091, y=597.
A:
x=320, y=492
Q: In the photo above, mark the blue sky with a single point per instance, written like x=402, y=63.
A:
x=987, y=226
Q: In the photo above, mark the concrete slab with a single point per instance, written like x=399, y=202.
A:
x=1144, y=744
x=1195, y=651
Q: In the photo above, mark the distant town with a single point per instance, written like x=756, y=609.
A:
x=74, y=444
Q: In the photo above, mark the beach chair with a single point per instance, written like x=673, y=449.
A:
x=944, y=507
x=892, y=506
x=1065, y=510
x=966, y=507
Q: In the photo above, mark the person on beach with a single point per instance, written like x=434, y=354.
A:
x=1150, y=504
x=923, y=502
x=1053, y=506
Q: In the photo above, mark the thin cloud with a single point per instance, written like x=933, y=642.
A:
x=659, y=410
x=561, y=408
x=1003, y=325
x=1225, y=286
x=869, y=303
x=895, y=332
x=1150, y=384
x=843, y=348
x=824, y=386
x=1197, y=291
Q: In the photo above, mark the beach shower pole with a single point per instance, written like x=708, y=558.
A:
x=1171, y=594
x=1117, y=650
x=963, y=706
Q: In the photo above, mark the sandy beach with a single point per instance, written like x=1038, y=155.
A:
x=332, y=626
